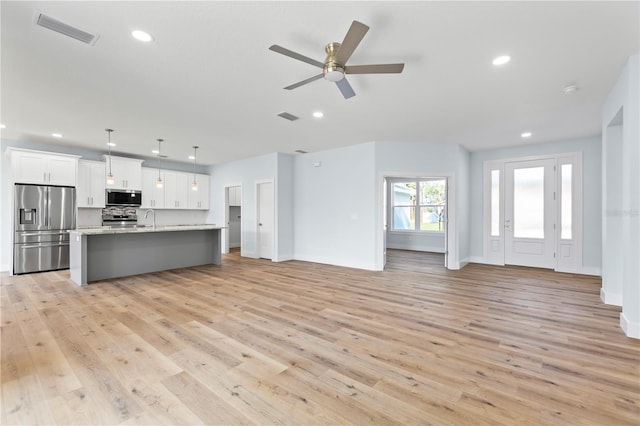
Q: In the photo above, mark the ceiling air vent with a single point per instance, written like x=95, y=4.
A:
x=62, y=28
x=301, y=151
x=288, y=116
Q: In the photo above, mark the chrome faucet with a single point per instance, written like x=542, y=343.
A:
x=154, y=216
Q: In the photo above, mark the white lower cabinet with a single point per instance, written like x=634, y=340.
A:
x=152, y=196
x=91, y=184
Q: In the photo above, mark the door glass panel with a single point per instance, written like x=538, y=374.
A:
x=565, y=202
x=528, y=202
x=495, y=203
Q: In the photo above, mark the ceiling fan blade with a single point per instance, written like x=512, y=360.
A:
x=351, y=41
x=303, y=82
x=345, y=88
x=294, y=55
x=374, y=69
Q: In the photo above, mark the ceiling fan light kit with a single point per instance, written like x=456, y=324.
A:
x=334, y=67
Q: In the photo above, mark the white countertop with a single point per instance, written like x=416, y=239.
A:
x=140, y=229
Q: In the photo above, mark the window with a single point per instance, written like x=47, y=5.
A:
x=418, y=205
x=495, y=203
x=565, y=202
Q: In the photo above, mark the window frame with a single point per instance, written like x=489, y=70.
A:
x=417, y=205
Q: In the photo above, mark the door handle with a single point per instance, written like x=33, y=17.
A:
x=260, y=224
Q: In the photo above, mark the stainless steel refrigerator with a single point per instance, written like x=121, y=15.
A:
x=43, y=217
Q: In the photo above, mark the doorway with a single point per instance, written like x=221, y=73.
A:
x=234, y=217
x=532, y=212
x=415, y=215
x=232, y=234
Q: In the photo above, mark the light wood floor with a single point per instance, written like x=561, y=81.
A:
x=256, y=342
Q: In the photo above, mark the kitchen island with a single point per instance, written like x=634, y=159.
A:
x=103, y=253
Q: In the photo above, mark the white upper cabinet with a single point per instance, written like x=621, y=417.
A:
x=176, y=185
x=199, y=200
x=91, y=184
x=127, y=173
x=43, y=168
x=235, y=196
x=152, y=196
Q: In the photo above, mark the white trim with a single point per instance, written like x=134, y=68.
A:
x=478, y=259
x=631, y=329
x=614, y=299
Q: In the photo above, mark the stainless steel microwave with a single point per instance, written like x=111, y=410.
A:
x=123, y=197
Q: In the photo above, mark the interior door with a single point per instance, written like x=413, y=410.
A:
x=265, y=220
x=529, y=218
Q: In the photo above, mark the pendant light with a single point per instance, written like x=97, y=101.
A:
x=110, y=179
x=194, y=185
x=159, y=180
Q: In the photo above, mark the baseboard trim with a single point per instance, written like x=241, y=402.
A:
x=283, y=258
x=477, y=259
x=631, y=329
x=591, y=270
x=335, y=262
x=610, y=298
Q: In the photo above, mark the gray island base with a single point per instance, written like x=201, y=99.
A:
x=99, y=253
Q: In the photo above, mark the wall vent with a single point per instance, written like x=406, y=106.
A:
x=66, y=29
x=288, y=116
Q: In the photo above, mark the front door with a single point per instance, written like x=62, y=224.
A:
x=529, y=219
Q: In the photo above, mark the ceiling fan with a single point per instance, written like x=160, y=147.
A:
x=335, y=65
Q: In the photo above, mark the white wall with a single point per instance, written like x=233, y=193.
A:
x=285, y=207
x=462, y=206
x=592, y=200
x=334, y=205
x=621, y=221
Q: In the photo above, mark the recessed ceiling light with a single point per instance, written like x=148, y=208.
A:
x=526, y=135
x=501, y=60
x=111, y=143
x=569, y=89
x=155, y=151
x=2, y=126
x=318, y=114
x=142, y=36
x=56, y=135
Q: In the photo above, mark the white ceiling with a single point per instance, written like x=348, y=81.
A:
x=209, y=79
